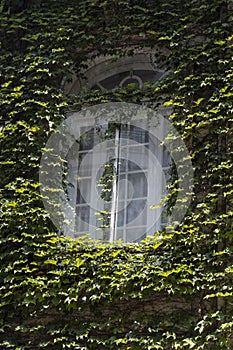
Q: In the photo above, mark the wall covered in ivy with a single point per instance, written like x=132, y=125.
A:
x=61, y=293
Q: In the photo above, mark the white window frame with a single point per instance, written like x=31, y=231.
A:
x=100, y=69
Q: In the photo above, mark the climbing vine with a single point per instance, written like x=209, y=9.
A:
x=61, y=293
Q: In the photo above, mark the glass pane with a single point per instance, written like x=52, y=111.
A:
x=119, y=234
x=86, y=139
x=83, y=191
x=135, y=234
x=122, y=183
x=155, y=145
x=82, y=219
x=122, y=165
x=136, y=215
x=85, y=164
x=139, y=185
x=132, y=166
x=138, y=156
x=120, y=218
x=139, y=135
x=114, y=80
x=125, y=128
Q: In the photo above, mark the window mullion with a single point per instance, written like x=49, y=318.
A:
x=115, y=188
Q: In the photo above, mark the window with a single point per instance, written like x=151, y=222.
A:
x=114, y=179
x=108, y=73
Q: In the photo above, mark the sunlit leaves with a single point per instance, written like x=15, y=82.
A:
x=76, y=294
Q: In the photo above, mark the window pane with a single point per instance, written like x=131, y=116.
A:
x=135, y=234
x=82, y=218
x=137, y=134
x=85, y=164
x=84, y=191
x=125, y=128
x=121, y=218
x=136, y=215
x=119, y=234
x=86, y=140
x=122, y=165
x=139, y=158
x=139, y=185
x=114, y=80
x=122, y=188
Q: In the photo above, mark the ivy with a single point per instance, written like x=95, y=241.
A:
x=61, y=293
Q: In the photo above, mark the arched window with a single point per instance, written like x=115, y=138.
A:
x=114, y=180
x=109, y=73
